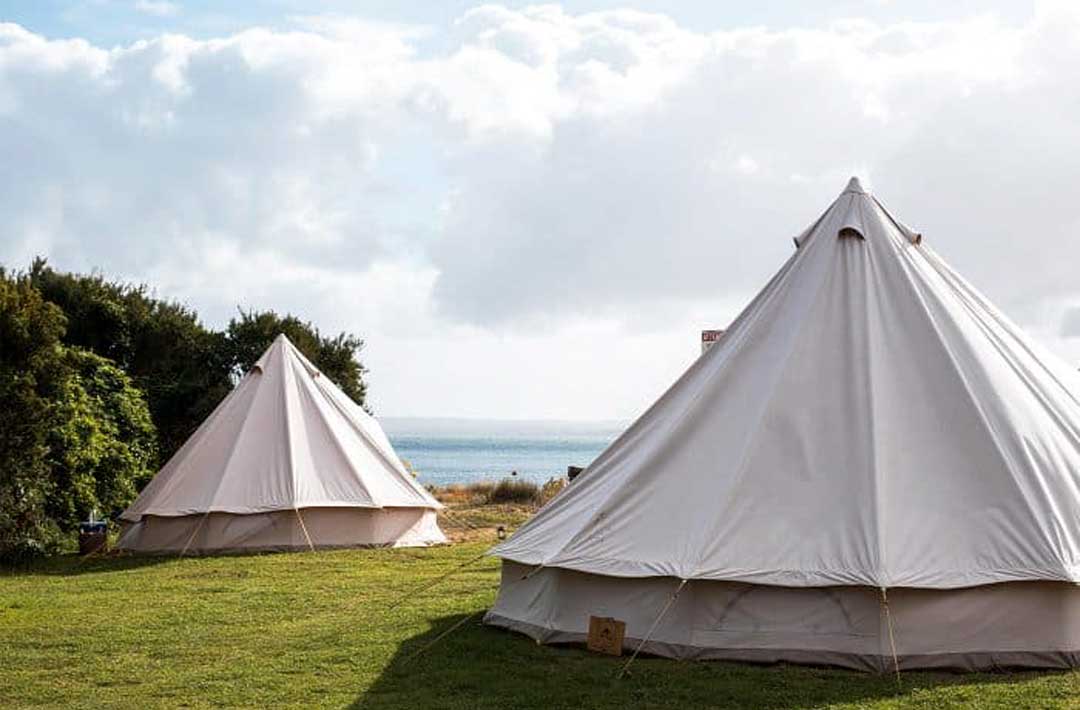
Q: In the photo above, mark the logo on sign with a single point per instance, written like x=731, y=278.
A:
x=708, y=337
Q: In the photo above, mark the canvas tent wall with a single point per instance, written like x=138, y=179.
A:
x=286, y=461
x=869, y=429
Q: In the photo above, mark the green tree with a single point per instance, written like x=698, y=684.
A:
x=75, y=434
x=31, y=369
x=101, y=440
x=252, y=333
x=183, y=368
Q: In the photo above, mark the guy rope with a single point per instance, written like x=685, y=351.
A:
x=655, y=623
x=892, y=639
x=412, y=593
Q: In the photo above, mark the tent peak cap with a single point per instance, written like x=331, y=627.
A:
x=280, y=342
x=855, y=185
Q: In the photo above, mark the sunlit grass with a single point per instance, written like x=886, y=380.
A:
x=320, y=629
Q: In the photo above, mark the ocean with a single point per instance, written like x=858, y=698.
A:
x=444, y=451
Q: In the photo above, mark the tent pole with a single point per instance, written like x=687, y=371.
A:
x=304, y=528
x=892, y=639
x=649, y=633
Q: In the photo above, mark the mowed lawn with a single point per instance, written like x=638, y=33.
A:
x=320, y=629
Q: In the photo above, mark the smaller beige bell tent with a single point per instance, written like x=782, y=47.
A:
x=286, y=461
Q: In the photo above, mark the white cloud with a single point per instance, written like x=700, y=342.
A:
x=531, y=212
x=158, y=8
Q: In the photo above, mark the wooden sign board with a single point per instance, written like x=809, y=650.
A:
x=606, y=635
x=709, y=338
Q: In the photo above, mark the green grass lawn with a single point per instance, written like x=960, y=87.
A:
x=315, y=629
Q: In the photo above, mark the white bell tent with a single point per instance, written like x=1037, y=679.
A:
x=286, y=461
x=872, y=467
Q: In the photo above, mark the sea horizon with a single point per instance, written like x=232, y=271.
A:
x=449, y=450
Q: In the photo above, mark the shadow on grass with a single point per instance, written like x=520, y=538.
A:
x=479, y=667
x=71, y=565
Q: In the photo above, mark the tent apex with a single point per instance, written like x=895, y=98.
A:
x=854, y=185
x=280, y=344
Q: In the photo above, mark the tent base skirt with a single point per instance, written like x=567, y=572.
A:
x=281, y=530
x=993, y=627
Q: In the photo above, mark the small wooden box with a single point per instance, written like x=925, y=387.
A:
x=606, y=635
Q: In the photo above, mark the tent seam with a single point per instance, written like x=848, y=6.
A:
x=989, y=427
x=880, y=523
x=341, y=450
x=373, y=445
x=232, y=449
x=638, y=426
x=740, y=469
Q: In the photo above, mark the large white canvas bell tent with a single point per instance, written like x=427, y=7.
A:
x=286, y=461
x=873, y=467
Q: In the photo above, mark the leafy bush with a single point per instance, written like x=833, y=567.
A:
x=100, y=382
x=508, y=490
x=182, y=368
x=514, y=490
x=476, y=493
x=30, y=372
x=102, y=444
x=75, y=434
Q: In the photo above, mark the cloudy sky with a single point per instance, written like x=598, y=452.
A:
x=531, y=211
